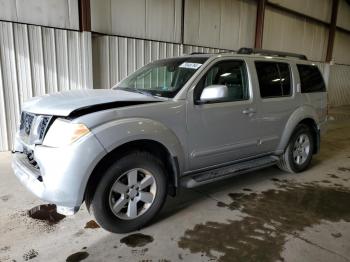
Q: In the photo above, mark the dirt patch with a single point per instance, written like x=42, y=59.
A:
x=47, y=213
x=269, y=218
x=333, y=176
x=221, y=204
x=5, y=248
x=235, y=196
x=30, y=254
x=337, y=235
x=344, y=169
x=92, y=224
x=79, y=256
x=136, y=240
x=5, y=197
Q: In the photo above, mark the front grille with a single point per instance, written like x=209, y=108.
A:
x=26, y=122
x=33, y=127
x=43, y=125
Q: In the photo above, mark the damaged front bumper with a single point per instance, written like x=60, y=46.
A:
x=59, y=175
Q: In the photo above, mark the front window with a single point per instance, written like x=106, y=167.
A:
x=232, y=74
x=162, y=78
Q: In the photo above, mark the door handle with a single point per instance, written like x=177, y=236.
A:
x=249, y=111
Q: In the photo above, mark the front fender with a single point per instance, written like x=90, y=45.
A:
x=118, y=132
x=296, y=117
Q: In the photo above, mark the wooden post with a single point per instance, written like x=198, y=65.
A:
x=332, y=30
x=259, y=28
x=182, y=40
x=84, y=15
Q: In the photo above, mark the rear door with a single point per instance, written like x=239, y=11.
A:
x=277, y=100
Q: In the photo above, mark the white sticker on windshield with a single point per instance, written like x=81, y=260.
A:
x=190, y=65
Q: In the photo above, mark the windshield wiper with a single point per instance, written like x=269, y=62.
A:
x=135, y=90
x=143, y=92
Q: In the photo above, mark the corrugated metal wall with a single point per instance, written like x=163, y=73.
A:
x=343, y=19
x=320, y=9
x=285, y=32
x=55, y=13
x=148, y=19
x=115, y=57
x=35, y=60
x=341, y=48
x=339, y=85
x=228, y=24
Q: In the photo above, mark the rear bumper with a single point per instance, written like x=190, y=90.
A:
x=63, y=172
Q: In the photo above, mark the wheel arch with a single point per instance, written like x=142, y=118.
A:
x=151, y=146
x=303, y=115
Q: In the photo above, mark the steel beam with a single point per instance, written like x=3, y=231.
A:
x=332, y=30
x=259, y=28
x=84, y=15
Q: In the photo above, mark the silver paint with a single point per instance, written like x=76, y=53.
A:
x=200, y=136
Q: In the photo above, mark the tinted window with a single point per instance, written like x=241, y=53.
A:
x=310, y=79
x=274, y=79
x=285, y=78
x=229, y=73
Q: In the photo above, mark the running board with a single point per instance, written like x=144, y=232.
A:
x=227, y=171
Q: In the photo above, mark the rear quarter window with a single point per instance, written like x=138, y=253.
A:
x=311, y=79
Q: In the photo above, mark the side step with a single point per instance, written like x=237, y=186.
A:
x=205, y=177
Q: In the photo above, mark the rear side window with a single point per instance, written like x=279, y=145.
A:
x=274, y=79
x=311, y=79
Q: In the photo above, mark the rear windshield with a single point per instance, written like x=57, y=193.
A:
x=311, y=79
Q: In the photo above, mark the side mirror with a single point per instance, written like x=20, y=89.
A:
x=213, y=93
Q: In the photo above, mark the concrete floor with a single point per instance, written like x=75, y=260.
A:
x=266, y=215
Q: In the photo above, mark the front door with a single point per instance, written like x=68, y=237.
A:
x=223, y=131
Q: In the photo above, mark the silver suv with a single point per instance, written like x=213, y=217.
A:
x=178, y=122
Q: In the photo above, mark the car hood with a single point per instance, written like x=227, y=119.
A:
x=88, y=100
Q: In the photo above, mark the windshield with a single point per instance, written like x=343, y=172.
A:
x=163, y=77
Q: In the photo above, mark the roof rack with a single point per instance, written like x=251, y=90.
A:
x=198, y=53
x=248, y=51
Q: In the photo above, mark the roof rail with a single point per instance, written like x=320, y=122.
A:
x=248, y=51
x=198, y=53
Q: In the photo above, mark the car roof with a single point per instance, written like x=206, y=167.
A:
x=254, y=56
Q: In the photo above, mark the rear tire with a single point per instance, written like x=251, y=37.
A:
x=130, y=193
x=298, y=154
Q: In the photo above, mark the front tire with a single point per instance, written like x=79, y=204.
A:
x=130, y=193
x=298, y=154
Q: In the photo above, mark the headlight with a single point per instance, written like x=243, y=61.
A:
x=63, y=133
